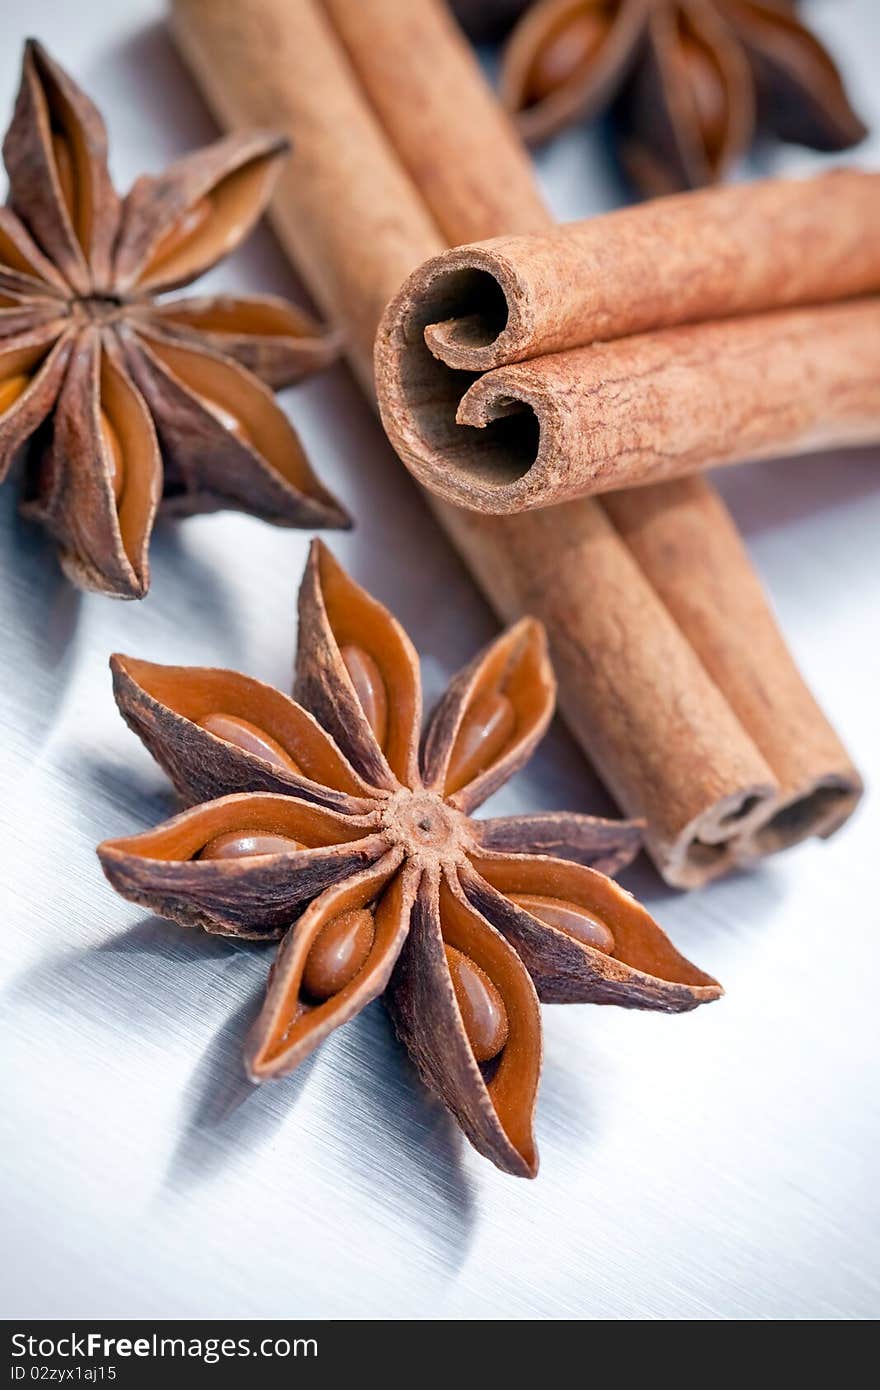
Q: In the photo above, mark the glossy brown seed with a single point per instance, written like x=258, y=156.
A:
x=64, y=169
x=237, y=844
x=485, y=730
x=565, y=53
x=249, y=737
x=183, y=232
x=226, y=418
x=340, y=951
x=701, y=77
x=11, y=389
x=480, y=1005
x=114, y=453
x=369, y=687
x=568, y=917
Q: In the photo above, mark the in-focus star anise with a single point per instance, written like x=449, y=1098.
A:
x=688, y=81
x=331, y=820
x=123, y=399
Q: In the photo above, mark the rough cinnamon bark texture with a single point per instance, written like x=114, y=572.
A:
x=632, y=688
x=658, y=729
x=772, y=244
x=345, y=211
x=687, y=524
x=442, y=65
x=650, y=407
x=469, y=179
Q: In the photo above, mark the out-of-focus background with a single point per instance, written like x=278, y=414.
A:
x=720, y=1165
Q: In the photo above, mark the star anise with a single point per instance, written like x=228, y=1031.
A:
x=329, y=818
x=689, y=82
x=123, y=399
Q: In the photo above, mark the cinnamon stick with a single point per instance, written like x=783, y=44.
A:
x=685, y=526
x=456, y=117
x=644, y=408
x=632, y=687
x=720, y=252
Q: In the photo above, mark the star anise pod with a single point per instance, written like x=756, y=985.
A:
x=689, y=82
x=124, y=399
x=328, y=818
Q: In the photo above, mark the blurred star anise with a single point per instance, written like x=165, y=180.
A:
x=484, y=21
x=689, y=82
x=332, y=830
x=122, y=399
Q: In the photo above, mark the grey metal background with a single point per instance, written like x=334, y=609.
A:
x=717, y=1165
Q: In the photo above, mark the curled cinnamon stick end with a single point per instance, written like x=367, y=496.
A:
x=583, y=394
x=614, y=415
x=622, y=414
x=818, y=786
x=772, y=244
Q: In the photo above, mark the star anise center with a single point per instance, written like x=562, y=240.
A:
x=96, y=308
x=425, y=826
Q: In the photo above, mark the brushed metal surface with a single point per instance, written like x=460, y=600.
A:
x=721, y=1165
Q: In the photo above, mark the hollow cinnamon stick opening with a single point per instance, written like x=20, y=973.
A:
x=717, y=253
x=670, y=532
x=641, y=409
x=634, y=690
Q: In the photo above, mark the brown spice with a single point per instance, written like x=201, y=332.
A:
x=123, y=402
x=636, y=693
x=371, y=849
x=692, y=759
x=687, y=528
x=688, y=84
x=651, y=407
x=686, y=259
